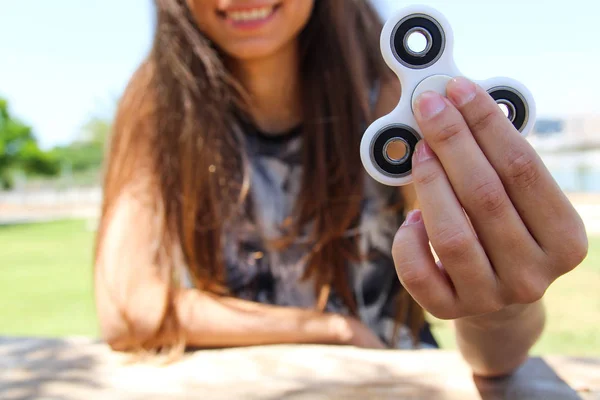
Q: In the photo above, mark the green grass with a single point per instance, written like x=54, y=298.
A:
x=573, y=309
x=46, y=279
x=46, y=290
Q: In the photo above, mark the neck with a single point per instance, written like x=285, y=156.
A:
x=272, y=84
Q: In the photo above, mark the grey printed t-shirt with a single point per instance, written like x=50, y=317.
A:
x=275, y=277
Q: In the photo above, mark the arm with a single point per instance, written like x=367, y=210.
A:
x=217, y=322
x=130, y=288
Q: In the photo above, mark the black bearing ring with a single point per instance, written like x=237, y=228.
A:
x=519, y=112
x=378, y=146
x=435, y=37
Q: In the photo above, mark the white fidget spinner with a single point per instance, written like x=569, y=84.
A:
x=388, y=144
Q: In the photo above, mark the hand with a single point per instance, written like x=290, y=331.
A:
x=500, y=225
x=352, y=332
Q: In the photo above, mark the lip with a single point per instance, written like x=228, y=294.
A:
x=249, y=7
x=249, y=25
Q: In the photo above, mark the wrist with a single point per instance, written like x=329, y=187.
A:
x=319, y=328
x=505, y=317
x=340, y=329
x=496, y=344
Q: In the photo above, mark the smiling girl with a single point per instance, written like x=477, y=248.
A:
x=237, y=212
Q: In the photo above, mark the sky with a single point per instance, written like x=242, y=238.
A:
x=63, y=62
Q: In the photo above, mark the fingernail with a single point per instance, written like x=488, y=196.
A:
x=423, y=152
x=430, y=104
x=461, y=91
x=413, y=217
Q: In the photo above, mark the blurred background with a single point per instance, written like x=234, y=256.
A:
x=64, y=64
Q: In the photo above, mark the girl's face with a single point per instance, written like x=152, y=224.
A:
x=246, y=29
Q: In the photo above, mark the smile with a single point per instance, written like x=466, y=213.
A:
x=249, y=15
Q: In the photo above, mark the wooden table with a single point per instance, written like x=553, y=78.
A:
x=85, y=369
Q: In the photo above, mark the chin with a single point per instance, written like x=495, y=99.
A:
x=250, y=51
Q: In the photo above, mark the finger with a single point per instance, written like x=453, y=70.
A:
x=543, y=207
x=477, y=186
x=418, y=272
x=450, y=233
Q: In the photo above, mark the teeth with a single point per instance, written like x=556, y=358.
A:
x=250, y=15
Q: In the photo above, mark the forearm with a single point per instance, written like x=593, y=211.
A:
x=497, y=344
x=205, y=320
x=210, y=321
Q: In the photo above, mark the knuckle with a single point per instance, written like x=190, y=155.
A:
x=445, y=312
x=533, y=295
x=413, y=276
x=522, y=170
x=574, y=248
x=399, y=244
x=578, y=253
x=490, y=198
x=485, y=120
x=451, y=243
x=426, y=175
x=448, y=132
x=528, y=289
x=483, y=297
x=488, y=305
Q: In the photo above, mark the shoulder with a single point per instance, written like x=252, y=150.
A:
x=134, y=116
x=137, y=90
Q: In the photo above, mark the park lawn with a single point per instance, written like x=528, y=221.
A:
x=46, y=279
x=46, y=290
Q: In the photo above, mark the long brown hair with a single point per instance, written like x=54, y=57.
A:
x=175, y=127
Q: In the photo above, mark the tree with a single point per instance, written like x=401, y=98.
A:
x=95, y=131
x=19, y=150
x=86, y=153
